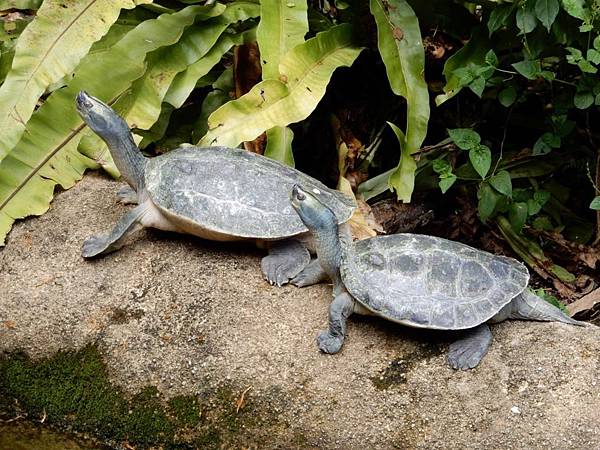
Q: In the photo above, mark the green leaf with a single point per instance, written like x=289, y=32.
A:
x=542, y=223
x=517, y=215
x=153, y=135
x=444, y=169
x=375, y=186
x=502, y=183
x=533, y=207
x=213, y=101
x=586, y=66
x=593, y=56
x=583, y=99
x=562, y=126
x=441, y=166
x=551, y=299
x=184, y=83
x=548, y=75
x=597, y=43
x=545, y=143
x=486, y=71
x=307, y=69
x=562, y=273
x=279, y=145
x=574, y=55
x=50, y=48
x=401, y=48
x=141, y=105
x=47, y=154
x=541, y=147
x=507, y=96
x=491, y=58
x=546, y=11
x=541, y=197
x=447, y=182
x=164, y=65
x=464, y=75
x=281, y=28
x=464, y=138
x=481, y=159
x=595, y=204
x=499, y=17
x=407, y=166
x=530, y=69
x=477, y=86
x=526, y=18
x=471, y=54
x=576, y=8
x=487, y=201
x=391, y=41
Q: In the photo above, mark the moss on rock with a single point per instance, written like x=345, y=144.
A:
x=72, y=389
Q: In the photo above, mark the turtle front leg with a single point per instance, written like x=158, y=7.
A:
x=127, y=195
x=285, y=260
x=331, y=340
x=467, y=352
x=312, y=274
x=102, y=244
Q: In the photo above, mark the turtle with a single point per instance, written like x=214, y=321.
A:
x=419, y=281
x=216, y=193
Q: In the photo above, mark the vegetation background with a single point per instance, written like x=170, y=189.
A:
x=476, y=121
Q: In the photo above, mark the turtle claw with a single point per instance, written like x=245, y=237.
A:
x=93, y=246
x=311, y=274
x=276, y=272
x=284, y=261
x=328, y=343
x=466, y=353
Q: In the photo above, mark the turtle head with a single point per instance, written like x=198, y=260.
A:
x=106, y=123
x=313, y=212
x=100, y=117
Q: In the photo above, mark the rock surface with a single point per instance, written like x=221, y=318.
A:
x=181, y=314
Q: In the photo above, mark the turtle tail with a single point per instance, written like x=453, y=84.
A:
x=528, y=306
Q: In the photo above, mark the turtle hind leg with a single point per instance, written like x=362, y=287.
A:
x=102, y=244
x=528, y=306
x=285, y=260
x=331, y=340
x=312, y=274
x=127, y=195
x=467, y=352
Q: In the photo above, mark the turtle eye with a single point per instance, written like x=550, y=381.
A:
x=300, y=196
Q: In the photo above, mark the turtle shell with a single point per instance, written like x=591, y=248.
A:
x=430, y=282
x=234, y=192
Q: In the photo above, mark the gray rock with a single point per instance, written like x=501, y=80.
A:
x=184, y=314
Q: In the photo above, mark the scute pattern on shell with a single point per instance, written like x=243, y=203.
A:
x=235, y=192
x=430, y=282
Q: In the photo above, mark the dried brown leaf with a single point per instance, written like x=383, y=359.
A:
x=239, y=404
x=585, y=303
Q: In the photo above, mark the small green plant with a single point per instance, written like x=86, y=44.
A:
x=495, y=191
x=551, y=299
